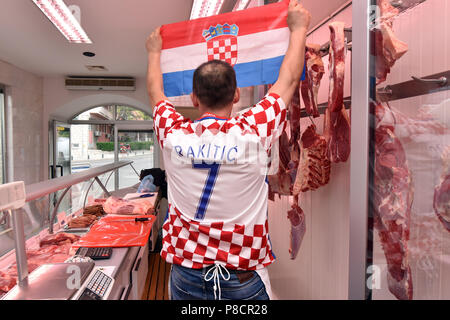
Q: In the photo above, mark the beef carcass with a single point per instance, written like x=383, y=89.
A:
x=388, y=48
x=115, y=205
x=336, y=66
x=441, y=199
x=314, y=73
x=336, y=120
x=337, y=134
x=314, y=167
x=392, y=200
x=296, y=217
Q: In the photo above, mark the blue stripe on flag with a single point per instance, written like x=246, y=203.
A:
x=247, y=74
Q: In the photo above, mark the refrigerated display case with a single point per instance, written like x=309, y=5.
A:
x=128, y=266
x=400, y=196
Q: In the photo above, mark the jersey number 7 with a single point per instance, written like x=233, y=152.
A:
x=208, y=188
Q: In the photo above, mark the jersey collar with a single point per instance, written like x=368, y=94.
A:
x=209, y=115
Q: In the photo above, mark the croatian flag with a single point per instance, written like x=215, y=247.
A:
x=253, y=41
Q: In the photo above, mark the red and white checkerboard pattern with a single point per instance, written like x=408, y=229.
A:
x=267, y=119
x=224, y=49
x=195, y=245
x=238, y=240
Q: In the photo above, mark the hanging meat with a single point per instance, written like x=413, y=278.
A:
x=441, y=200
x=388, y=48
x=296, y=217
x=336, y=120
x=392, y=201
x=314, y=167
x=336, y=66
x=281, y=181
x=314, y=73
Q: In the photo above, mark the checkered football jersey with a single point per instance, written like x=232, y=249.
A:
x=217, y=191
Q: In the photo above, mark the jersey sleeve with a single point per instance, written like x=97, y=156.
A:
x=268, y=117
x=165, y=117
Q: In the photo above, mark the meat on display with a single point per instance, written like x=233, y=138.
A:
x=392, y=200
x=388, y=48
x=116, y=205
x=53, y=248
x=314, y=73
x=441, y=199
x=314, y=167
x=297, y=220
x=336, y=66
x=82, y=221
x=336, y=120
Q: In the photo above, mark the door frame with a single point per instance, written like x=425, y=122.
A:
x=55, y=124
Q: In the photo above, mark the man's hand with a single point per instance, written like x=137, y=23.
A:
x=154, y=41
x=298, y=17
x=291, y=68
x=154, y=77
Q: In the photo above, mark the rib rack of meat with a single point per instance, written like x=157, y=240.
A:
x=441, y=200
x=314, y=73
x=392, y=201
x=314, y=168
x=296, y=217
x=281, y=182
x=388, y=48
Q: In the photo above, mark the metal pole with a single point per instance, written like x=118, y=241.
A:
x=360, y=146
x=116, y=156
x=9, y=154
x=55, y=210
x=19, y=241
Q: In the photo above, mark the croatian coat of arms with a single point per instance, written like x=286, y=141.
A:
x=222, y=42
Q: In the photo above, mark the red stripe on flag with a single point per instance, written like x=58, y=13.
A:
x=268, y=17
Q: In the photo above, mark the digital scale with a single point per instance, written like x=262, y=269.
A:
x=65, y=281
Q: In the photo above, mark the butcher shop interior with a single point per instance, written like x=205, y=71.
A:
x=358, y=201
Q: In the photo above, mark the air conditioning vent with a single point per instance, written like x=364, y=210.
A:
x=101, y=83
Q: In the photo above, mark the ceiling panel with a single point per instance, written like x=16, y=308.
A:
x=117, y=28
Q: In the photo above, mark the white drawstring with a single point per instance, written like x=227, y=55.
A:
x=215, y=275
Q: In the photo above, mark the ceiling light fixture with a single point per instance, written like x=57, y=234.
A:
x=241, y=5
x=205, y=8
x=59, y=14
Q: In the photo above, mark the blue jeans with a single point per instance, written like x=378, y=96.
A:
x=190, y=284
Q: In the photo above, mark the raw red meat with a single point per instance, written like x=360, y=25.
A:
x=337, y=134
x=392, y=201
x=58, y=239
x=117, y=205
x=296, y=217
x=281, y=181
x=314, y=73
x=7, y=282
x=441, y=201
x=336, y=66
x=82, y=221
x=314, y=168
x=388, y=48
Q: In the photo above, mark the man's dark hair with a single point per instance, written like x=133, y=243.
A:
x=214, y=84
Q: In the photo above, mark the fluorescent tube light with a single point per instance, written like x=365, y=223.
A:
x=59, y=14
x=205, y=8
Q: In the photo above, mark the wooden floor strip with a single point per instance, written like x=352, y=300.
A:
x=156, y=284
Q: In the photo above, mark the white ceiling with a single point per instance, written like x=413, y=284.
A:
x=118, y=29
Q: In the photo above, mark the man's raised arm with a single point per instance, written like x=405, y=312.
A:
x=154, y=76
x=292, y=65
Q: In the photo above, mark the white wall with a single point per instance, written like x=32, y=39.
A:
x=26, y=92
x=320, y=270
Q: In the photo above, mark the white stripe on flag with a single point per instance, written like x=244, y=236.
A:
x=251, y=47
